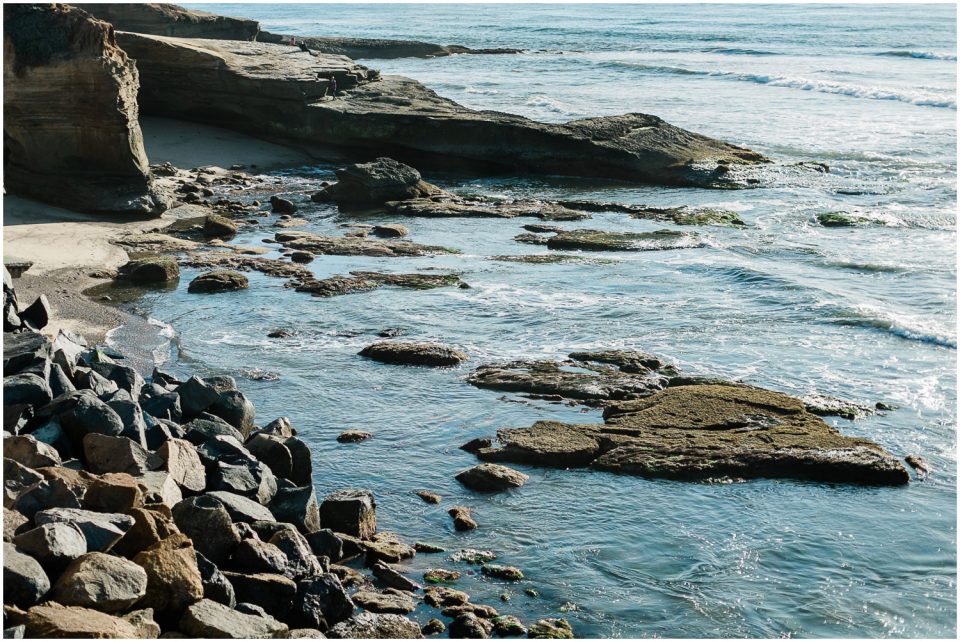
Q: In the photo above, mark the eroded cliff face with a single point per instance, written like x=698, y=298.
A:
x=276, y=90
x=71, y=134
x=171, y=20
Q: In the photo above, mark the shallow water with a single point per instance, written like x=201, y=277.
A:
x=866, y=314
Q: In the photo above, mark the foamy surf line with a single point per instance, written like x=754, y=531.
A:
x=900, y=329
x=922, y=55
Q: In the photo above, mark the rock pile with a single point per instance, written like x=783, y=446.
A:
x=145, y=507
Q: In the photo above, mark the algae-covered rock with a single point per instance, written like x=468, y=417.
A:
x=414, y=354
x=599, y=240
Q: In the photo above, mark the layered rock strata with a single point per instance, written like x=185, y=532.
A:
x=71, y=134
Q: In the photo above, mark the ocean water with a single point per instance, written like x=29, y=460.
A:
x=866, y=313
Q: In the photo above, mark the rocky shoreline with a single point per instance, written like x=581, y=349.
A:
x=151, y=507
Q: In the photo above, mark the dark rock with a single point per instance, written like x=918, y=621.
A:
x=474, y=445
x=221, y=383
x=60, y=383
x=270, y=449
x=196, y=396
x=508, y=626
x=249, y=480
x=218, y=281
x=599, y=240
x=200, y=430
x=298, y=506
x=377, y=182
x=93, y=380
x=301, y=470
x=24, y=350
x=434, y=627
x=157, y=269
x=390, y=230
x=164, y=406
x=282, y=205
x=254, y=556
x=101, y=530
x=209, y=619
x=920, y=464
x=300, y=256
x=24, y=580
x=279, y=334
x=491, y=477
x=326, y=543
x=359, y=281
x=427, y=496
x=134, y=423
x=498, y=571
x=52, y=620
x=27, y=389
x=216, y=586
x=274, y=593
x=53, y=434
x=102, y=582
x=376, y=626
x=45, y=494
x=173, y=579
x=448, y=205
x=393, y=578
x=37, y=315
x=251, y=609
x=469, y=626
x=462, y=520
x=321, y=602
x=280, y=427
x=234, y=408
x=350, y=511
x=419, y=354
x=206, y=521
x=426, y=547
x=301, y=561
x=353, y=436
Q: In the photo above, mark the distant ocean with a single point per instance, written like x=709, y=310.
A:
x=865, y=313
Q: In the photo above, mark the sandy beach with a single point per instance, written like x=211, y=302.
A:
x=67, y=247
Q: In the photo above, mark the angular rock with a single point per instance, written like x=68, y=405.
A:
x=249, y=480
x=89, y=415
x=206, y=520
x=113, y=493
x=24, y=580
x=462, y=519
x=196, y=396
x=599, y=240
x=499, y=571
x=274, y=593
x=134, y=423
x=377, y=182
x=297, y=506
x=13, y=524
x=242, y=509
x=183, y=464
x=101, y=530
x=491, y=477
x=301, y=461
x=216, y=586
x=27, y=451
x=160, y=488
x=43, y=495
x=301, y=561
x=270, y=449
x=106, y=454
x=393, y=578
x=163, y=406
x=102, y=582
x=144, y=623
x=173, y=579
x=234, y=408
x=350, y=511
x=52, y=620
x=387, y=547
x=208, y=619
x=444, y=596
x=321, y=602
x=415, y=354
x=427, y=496
x=218, y=281
x=325, y=542
x=254, y=556
x=26, y=388
x=60, y=383
x=149, y=528
x=376, y=626
x=201, y=430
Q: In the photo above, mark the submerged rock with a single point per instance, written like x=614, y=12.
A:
x=462, y=519
x=355, y=245
x=704, y=432
x=551, y=629
x=599, y=240
x=353, y=436
x=366, y=281
x=414, y=354
x=675, y=215
x=449, y=206
x=595, y=378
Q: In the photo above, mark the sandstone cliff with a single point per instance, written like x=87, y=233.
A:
x=70, y=131
x=279, y=91
x=172, y=20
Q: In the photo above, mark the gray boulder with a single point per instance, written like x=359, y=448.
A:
x=301, y=561
x=376, y=626
x=321, y=602
x=26, y=388
x=106, y=454
x=234, y=408
x=297, y=506
x=48, y=493
x=242, y=509
x=196, y=396
x=351, y=511
x=101, y=530
x=216, y=586
x=491, y=477
x=255, y=556
x=103, y=582
x=24, y=580
x=181, y=461
x=205, y=520
x=209, y=619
